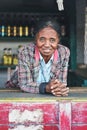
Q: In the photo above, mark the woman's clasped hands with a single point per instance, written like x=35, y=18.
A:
x=57, y=88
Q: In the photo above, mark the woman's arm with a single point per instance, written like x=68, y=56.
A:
x=65, y=65
x=25, y=75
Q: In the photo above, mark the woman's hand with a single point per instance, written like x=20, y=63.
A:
x=57, y=88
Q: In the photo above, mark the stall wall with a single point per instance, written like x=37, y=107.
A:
x=80, y=29
x=62, y=115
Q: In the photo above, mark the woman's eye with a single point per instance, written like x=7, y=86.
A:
x=42, y=39
x=52, y=40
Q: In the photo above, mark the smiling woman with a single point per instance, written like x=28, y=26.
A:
x=43, y=65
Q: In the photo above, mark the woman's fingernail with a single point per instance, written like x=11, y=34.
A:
x=53, y=93
x=67, y=88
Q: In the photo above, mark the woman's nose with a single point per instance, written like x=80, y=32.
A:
x=47, y=43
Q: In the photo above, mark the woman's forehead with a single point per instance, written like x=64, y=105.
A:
x=47, y=30
x=47, y=33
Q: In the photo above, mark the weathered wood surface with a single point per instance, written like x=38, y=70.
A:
x=72, y=89
x=76, y=93
x=63, y=115
x=43, y=112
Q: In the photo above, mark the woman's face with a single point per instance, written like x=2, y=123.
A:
x=47, y=41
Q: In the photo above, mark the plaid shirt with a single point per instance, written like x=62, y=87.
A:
x=29, y=64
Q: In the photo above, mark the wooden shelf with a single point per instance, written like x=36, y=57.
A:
x=7, y=66
x=2, y=39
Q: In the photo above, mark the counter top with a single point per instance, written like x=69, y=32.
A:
x=76, y=93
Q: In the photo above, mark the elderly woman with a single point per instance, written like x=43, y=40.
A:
x=43, y=65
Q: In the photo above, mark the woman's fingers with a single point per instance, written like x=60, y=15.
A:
x=65, y=91
x=58, y=88
x=60, y=92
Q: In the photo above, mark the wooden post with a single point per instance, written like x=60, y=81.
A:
x=65, y=116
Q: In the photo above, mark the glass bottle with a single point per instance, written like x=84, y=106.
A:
x=9, y=56
x=15, y=59
x=3, y=31
x=15, y=31
x=8, y=31
x=20, y=31
x=5, y=56
x=26, y=31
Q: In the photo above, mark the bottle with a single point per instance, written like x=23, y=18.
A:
x=8, y=31
x=9, y=56
x=20, y=31
x=15, y=59
x=3, y=31
x=5, y=56
x=26, y=31
x=14, y=31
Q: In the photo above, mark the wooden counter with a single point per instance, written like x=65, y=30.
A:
x=24, y=111
x=75, y=92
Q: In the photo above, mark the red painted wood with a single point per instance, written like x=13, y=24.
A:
x=65, y=116
x=3, y=127
x=50, y=114
x=79, y=127
x=51, y=127
x=79, y=112
x=4, y=110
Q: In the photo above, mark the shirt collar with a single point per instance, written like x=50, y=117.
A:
x=41, y=58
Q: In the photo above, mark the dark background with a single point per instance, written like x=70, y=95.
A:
x=29, y=5
x=20, y=11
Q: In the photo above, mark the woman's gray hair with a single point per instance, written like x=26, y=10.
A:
x=48, y=23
